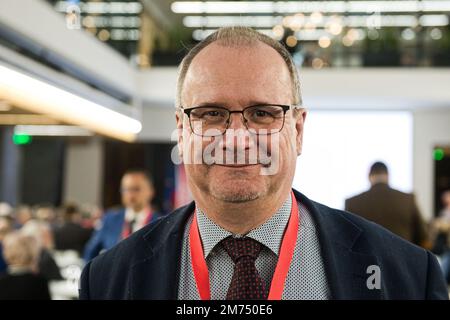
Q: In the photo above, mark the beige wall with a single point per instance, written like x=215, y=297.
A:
x=83, y=174
x=158, y=123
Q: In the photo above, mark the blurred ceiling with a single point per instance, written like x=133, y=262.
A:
x=318, y=33
x=52, y=74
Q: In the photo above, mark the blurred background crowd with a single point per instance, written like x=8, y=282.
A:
x=43, y=244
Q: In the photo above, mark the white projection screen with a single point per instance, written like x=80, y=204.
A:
x=340, y=146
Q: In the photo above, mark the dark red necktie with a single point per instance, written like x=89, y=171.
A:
x=246, y=283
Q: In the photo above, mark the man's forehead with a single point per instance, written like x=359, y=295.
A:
x=134, y=177
x=237, y=71
x=217, y=54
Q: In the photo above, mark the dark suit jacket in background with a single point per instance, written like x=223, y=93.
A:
x=3, y=265
x=47, y=266
x=392, y=209
x=25, y=286
x=147, y=264
x=71, y=236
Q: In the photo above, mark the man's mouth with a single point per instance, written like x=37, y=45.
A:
x=237, y=165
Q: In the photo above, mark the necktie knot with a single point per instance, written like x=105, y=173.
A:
x=246, y=282
x=238, y=248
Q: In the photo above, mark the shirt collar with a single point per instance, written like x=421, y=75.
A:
x=131, y=215
x=270, y=233
x=18, y=270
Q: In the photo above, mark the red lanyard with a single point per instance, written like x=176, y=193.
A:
x=200, y=268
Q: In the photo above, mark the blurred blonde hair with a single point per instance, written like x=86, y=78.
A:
x=20, y=250
x=5, y=226
x=40, y=231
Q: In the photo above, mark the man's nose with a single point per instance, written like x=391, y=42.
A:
x=237, y=121
x=237, y=135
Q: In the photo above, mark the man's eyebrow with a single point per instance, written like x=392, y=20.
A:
x=211, y=104
x=223, y=104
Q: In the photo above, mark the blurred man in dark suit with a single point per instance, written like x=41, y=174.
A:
x=390, y=208
x=71, y=235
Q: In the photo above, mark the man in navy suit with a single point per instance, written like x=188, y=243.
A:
x=248, y=235
x=137, y=193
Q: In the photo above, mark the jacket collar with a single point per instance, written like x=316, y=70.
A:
x=345, y=267
x=161, y=252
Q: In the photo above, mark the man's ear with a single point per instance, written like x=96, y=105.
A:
x=300, y=117
x=151, y=192
x=179, y=120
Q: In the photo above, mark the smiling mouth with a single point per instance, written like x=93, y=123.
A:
x=237, y=165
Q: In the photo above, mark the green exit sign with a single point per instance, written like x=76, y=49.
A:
x=20, y=139
x=438, y=154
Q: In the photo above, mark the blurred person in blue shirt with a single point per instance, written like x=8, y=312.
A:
x=137, y=192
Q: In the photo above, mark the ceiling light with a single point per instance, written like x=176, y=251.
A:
x=247, y=7
x=324, y=42
x=43, y=98
x=51, y=130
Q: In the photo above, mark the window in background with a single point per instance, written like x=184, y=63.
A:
x=340, y=146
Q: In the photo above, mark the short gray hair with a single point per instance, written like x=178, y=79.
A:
x=239, y=36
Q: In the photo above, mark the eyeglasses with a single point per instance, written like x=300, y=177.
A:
x=130, y=190
x=262, y=119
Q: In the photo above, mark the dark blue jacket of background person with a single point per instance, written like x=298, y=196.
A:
x=147, y=264
x=3, y=266
x=109, y=233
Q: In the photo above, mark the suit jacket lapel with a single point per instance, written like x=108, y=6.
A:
x=345, y=268
x=156, y=275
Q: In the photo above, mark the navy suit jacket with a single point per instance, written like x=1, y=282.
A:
x=146, y=265
x=109, y=234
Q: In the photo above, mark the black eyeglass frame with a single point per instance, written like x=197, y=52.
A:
x=285, y=108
